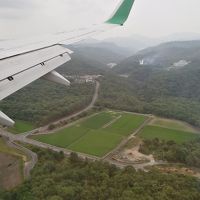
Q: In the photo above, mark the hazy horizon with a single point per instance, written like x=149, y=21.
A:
x=153, y=19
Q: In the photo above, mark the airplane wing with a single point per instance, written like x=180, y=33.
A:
x=22, y=62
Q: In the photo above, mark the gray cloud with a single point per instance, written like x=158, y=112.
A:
x=16, y=4
x=16, y=9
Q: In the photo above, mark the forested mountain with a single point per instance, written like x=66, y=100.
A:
x=111, y=46
x=92, y=57
x=166, y=55
x=157, y=79
x=135, y=43
x=159, y=87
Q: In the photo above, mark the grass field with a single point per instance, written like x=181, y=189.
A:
x=126, y=124
x=173, y=124
x=96, y=142
x=179, y=136
x=21, y=127
x=96, y=135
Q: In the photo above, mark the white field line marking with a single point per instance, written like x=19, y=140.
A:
x=111, y=122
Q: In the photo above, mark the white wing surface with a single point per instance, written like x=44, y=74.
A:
x=22, y=62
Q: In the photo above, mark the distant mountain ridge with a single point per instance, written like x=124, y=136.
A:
x=138, y=42
x=93, y=56
x=164, y=55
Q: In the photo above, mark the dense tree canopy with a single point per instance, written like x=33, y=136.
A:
x=43, y=101
x=58, y=178
x=187, y=153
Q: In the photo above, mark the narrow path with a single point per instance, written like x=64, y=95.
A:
x=32, y=157
x=141, y=127
x=112, y=122
x=110, y=154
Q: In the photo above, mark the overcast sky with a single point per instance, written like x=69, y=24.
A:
x=152, y=18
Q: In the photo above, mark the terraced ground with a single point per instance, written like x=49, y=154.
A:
x=11, y=166
x=166, y=129
x=96, y=135
x=173, y=124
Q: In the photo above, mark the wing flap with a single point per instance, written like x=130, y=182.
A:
x=7, y=87
x=17, y=64
x=22, y=62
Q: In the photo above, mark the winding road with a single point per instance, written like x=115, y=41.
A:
x=31, y=160
x=33, y=156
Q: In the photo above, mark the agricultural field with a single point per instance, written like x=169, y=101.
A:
x=96, y=135
x=179, y=136
x=21, y=127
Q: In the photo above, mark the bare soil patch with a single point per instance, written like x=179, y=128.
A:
x=130, y=153
x=180, y=170
x=10, y=171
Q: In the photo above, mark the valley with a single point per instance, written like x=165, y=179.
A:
x=103, y=120
x=97, y=103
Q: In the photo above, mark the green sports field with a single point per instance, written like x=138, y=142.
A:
x=179, y=136
x=96, y=135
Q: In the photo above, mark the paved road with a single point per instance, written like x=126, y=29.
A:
x=107, y=158
x=31, y=161
x=23, y=139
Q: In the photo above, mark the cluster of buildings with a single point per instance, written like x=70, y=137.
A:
x=84, y=78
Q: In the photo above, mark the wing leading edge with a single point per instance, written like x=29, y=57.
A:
x=27, y=61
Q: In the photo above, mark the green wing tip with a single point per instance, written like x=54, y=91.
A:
x=121, y=15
